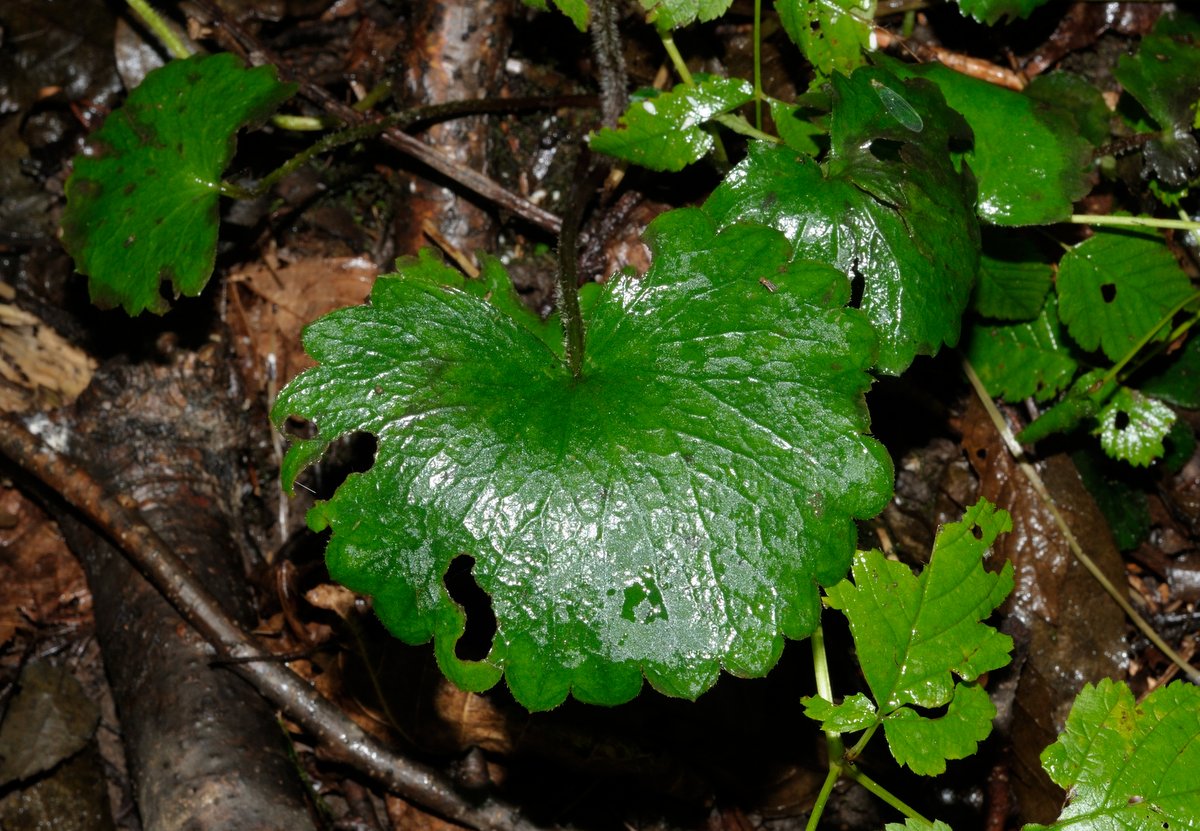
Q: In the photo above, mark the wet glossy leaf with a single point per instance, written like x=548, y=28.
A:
x=1029, y=156
x=887, y=207
x=1013, y=279
x=665, y=132
x=1128, y=766
x=142, y=201
x=1162, y=77
x=1017, y=360
x=1133, y=426
x=993, y=11
x=671, y=14
x=1117, y=286
x=1179, y=381
x=670, y=513
x=855, y=713
x=914, y=634
x=832, y=34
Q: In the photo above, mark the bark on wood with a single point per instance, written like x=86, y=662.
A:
x=205, y=750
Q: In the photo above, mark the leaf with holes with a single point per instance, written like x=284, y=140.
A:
x=1017, y=360
x=670, y=512
x=1127, y=765
x=833, y=34
x=1114, y=288
x=887, y=207
x=142, y=200
x=1133, y=426
x=666, y=132
x=914, y=634
x=1029, y=157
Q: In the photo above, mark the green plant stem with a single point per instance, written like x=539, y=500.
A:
x=157, y=24
x=677, y=61
x=738, y=124
x=884, y=794
x=1146, y=338
x=758, y=90
x=834, y=748
x=1043, y=493
x=1134, y=222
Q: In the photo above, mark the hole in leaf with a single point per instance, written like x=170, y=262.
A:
x=886, y=150
x=1108, y=292
x=299, y=428
x=476, y=640
x=857, y=286
x=1122, y=420
x=976, y=531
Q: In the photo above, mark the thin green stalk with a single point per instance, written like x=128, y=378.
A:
x=668, y=42
x=831, y=778
x=1043, y=493
x=884, y=794
x=1146, y=338
x=1134, y=222
x=758, y=90
x=738, y=124
x=158, y=26
x=833, y=740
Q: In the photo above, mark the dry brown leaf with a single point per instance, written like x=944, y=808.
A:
x=39, y=369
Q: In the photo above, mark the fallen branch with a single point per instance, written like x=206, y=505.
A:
x=117, y=518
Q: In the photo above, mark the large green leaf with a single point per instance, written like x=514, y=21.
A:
x=833, y=34
x=1029, y=157
x=1115, y=287
x=914, y=634
x=1162, y=77
x=887, y=207
x=142, y=201
x=1017, y=360
x=1128, y=766
x=666, y=132
x=669, y=512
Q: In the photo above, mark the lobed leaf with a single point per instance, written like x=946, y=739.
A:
x=1128, y=765
x=1018, y=360
x=833, y=34
x=1115, y=287
x=142, y=199
x=671, y=512
x=887, y=207
x=673, y=14
x=925, y=744
x=1029, y=157
x=1132, y=427
x=666, y=132
x=855, y=713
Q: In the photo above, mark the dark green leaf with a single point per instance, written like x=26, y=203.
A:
x=1128, y=766
x=1115, y=287
x=665, y=132
x=671, y=512
x=1179, y=381
x=993, y=11
x=1018, y=360
x=797, y=132
x=1014, y=278
x=1123, y=504
x=888, y=208
x=1029, y=157
x=1162, y=77
x=832, y=34
x=142, y=201
x=1087, y=395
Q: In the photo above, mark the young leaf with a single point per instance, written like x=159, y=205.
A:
x=1133, y=426
x=1115, y=287
x=1018, y=360
x=914, y=633
x=993, y=11
x=832, y=34
x=1128, y=765
x=664, y=132
x=1162, y=77
x=888, y=208
x=853, y=714
x=142, y=200
x=1029, y=157
x=669, y=512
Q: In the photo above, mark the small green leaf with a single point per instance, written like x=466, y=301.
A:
x=142, y=201
x=1128, y=766
x=665, y=132
x=1133, y=426
x=1162, y=78
x=1029, y=157
x=1013, y=278
x=887, y=207
x=673, y=14
x=1115, y=287
x=912, y=632
x=670, y=512
x=832, y=34
x=797, y=132
x=855, y=713
x=925, y=744
x=993, y=11
x=1018, y=360
x=911, y=824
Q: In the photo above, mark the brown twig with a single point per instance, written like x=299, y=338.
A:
x=255, y=53
x=967, y=65
x=117, y=517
